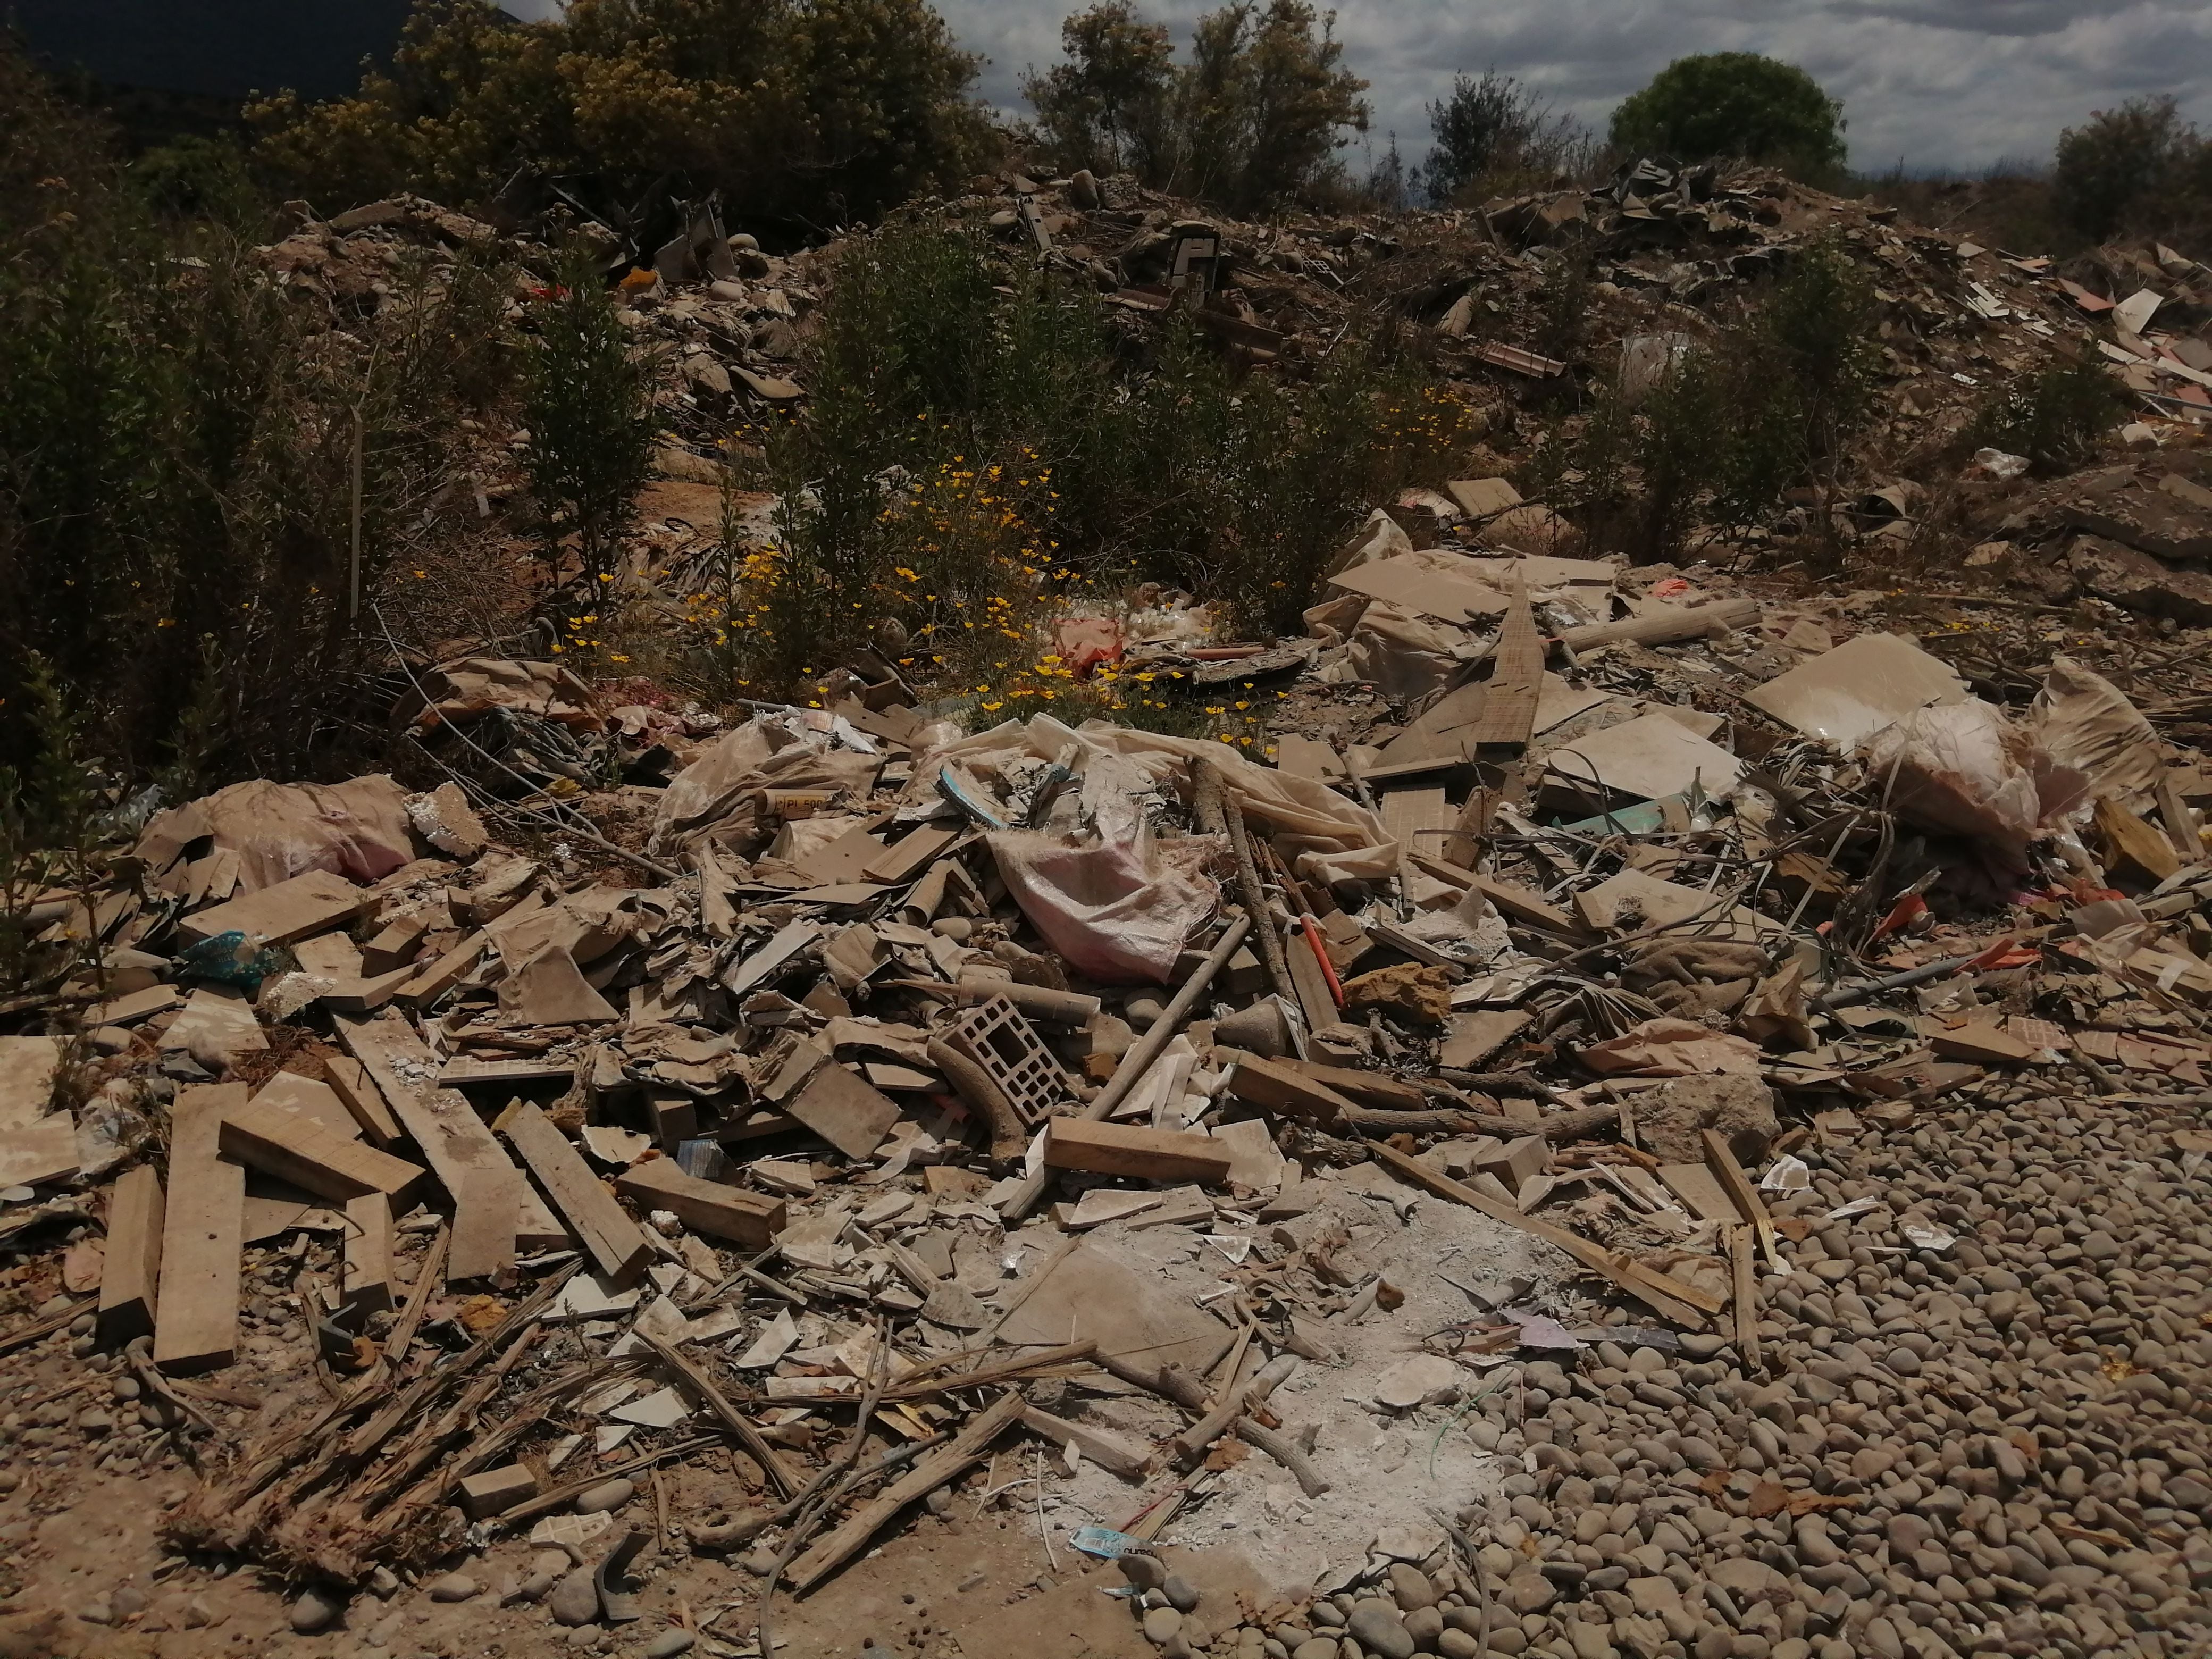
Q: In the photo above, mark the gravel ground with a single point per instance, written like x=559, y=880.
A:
x=1991, y=1448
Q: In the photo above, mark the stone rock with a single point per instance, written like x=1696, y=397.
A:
x=1743, y=1576
x=575, y=1599
x=1083, y=189
x=126, y=1599
x=1458, y=1645
x=311, y=1612
x=607, y=1495
x=1181, y=1594
x=1528, y=1591
x=1376, y=1625
x=453, y=1587
x=1425, y=1376
x=1669, y=1117
x=1318, y=1647
x=669, y=1644
x=1413, y=992
x=1410, y=1588
x=1147, y=1572
x=1161, y=1622
x=1426, y=1626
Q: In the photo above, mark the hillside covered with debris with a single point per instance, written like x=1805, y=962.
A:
x=1607, y=1062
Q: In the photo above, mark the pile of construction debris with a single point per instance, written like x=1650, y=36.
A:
x=1459, y=1154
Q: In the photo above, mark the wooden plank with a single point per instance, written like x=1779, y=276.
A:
x=358, y=1093
x=484, y=1222
x=1274, y=1086
x=1746, y=1296
x=1664, y=624
x=295, y=1147
x=433, y=981
x=368, y=1272
x=615, y=1243
x=540, y=1068
x=1102, y=1446
x=311, y=903
x=1375, y=1088
x=1410, y=817
x=1738, y=1185
x=202, y=1229
x=1125, y=1149
x=751, y=1219
x=1315, y=1000
x=1469, y=830
x=904, y=861
x=840, y=1107
x=935, y=1470
x=130, y=1282
x=1517, y=677
x=1670, y=1297
x=1701, y=1194
x=2179, y=820
x=453, y=1139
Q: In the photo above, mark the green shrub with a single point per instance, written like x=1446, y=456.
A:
x=175, y=451
x=588, y=403
x=1734, y=104
x=2139, y=167
x=1253, y=120
x=972, y=461
x=2055, y=417
x=801, y=109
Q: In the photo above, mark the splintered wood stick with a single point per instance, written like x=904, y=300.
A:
x=1285, y=1450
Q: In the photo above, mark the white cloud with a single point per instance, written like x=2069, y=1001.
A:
x=1939, y=83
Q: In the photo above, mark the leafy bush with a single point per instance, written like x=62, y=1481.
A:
x=2055, y=417
x=971, y=460
x=1734, y=104
x=587, y=402
x=176, y=446
x=795, y=109
x=1494, y=135
x=2139, y=167
x=1253, y=120
x=1757, y=409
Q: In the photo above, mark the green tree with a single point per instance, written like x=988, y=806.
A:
x=1736, y=104
x=2123, y=165
x=1254, y=119
x=1106, y=107
x=791, y=107
x=1493, y=133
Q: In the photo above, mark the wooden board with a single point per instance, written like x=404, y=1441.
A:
x=905, y=859
x=196, y=1318
x=357, y=1092
x=293, y=909
x=297, y=1148
x=617, y=1244
x=1125, y=1149
x=484, y=1222
x=1273, y=1086
x=368, y=1274
x=1737, y=1183
x=840, y=1107
x=1414, y=817
x=453, y=1139
x=1701, y=1194
x=748, y=1218
x=129, y=1281
x=1517, y=677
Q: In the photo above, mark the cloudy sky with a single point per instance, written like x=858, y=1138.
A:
x=1942, y=83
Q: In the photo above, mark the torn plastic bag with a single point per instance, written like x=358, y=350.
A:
x=1967, y=770
x=1333, y=839
x=1118, y=910
x=2080, y=719
x=358, y=828
x=1084, y=642
x=1380, y=537
x=725, y=790
x=231, y=959
x=1404, y=656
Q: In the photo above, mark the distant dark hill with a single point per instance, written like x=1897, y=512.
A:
x=210, y=48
